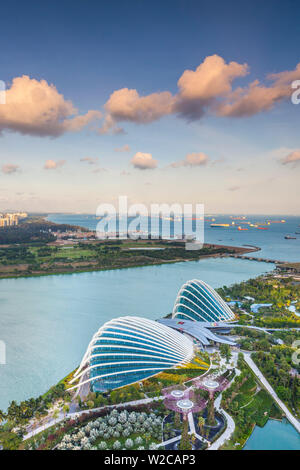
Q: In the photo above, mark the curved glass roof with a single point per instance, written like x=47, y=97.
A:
x=128, y=349
x=198, y=301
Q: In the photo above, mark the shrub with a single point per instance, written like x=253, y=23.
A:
x=128, y=443
x=117, y=445
x=102, y=445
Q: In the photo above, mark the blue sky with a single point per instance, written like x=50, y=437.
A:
x=89, y=50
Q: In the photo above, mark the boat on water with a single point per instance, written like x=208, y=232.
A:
x=242, y=228
x=288, y=237
x=219, y=225
x=262, y=228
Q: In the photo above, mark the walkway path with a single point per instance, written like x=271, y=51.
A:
x=169, y=441
x=266, y=384
x=226, y=434
x=191, y=423
x=76, y=414
x=229, y=429
x=45, y=426
x=261, y=328
x=193, y=429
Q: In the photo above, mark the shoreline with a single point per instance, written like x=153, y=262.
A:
x=236, y=251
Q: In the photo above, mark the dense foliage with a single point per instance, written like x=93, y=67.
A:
x=247, y=404
x=281, y=293
x=281, y=373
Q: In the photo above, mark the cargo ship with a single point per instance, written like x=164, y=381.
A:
x=220, y=225
x=288, y=237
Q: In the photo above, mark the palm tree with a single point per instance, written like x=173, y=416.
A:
x=211, y=412
x=66, y=409
x=177, y=420
x=201, y=422
x=2, y=416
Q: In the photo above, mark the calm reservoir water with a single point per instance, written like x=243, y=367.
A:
x=47, y=322
x=275, y=435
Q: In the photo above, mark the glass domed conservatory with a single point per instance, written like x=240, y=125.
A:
x=198, y=301
x=129, y=349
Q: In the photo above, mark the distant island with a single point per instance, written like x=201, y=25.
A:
x=38, y=247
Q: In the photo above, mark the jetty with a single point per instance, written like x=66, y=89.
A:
x=254, y=258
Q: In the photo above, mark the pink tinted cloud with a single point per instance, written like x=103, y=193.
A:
x=192, y=160
x=199, y=89
x=128, y=105
x=292, y=158
x=125, y=148
x=143, y=161
x=52, y=165
x=36, y=108
x=9, y=169
x=89, y=160
x=207, y=89
x=257, y=97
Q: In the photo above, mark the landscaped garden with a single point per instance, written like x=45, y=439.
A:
x=248, y=404
x=117, y=430
x=276, y=297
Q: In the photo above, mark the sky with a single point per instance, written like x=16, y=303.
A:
x=177, y=101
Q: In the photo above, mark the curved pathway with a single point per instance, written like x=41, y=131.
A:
x=226, y=434
x=76, y=414
x=275, y=397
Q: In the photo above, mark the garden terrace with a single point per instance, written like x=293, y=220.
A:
x=211, y=383
x=189, y=401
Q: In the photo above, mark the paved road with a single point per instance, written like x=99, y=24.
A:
x=266, y=384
